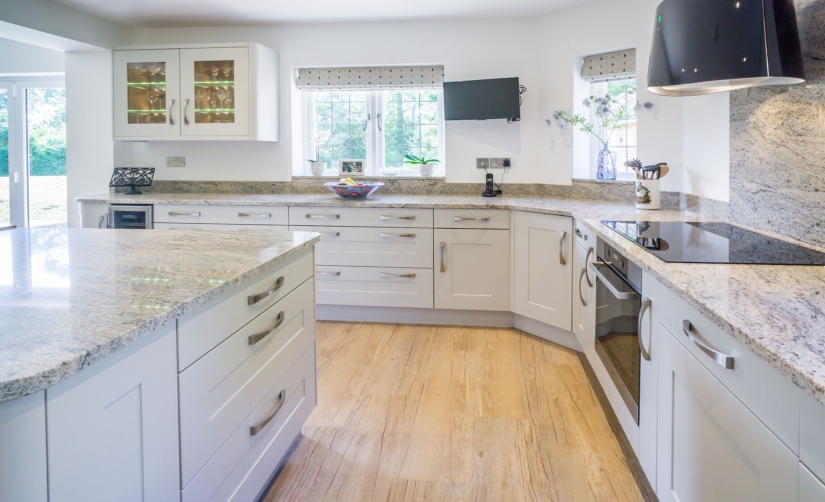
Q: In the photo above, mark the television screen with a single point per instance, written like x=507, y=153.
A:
x=482, y=99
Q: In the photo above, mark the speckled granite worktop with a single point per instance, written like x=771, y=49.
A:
x=778, y=312
x=70, y=297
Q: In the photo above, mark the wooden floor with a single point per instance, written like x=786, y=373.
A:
x=451, y=413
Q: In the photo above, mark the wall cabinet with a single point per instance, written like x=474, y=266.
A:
x=472, y=269
x=710, y=446
x=195, y=93
x=544, y=268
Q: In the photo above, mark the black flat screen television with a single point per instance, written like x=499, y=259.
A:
x=482, y=99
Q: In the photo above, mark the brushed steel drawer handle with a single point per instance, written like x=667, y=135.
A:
x=586, y=261
x=184, y=213
x=561, y=248
x=723, y=359
x=646, y=303
x=581, y=276
x=384, y=217
x=443, y=245
x=253, y=299
x=257, y=337
x=385, y=275
x=327, y=273
x=334, y=216
x=462, y=218
x=409, y=236
x=261, y=215
x=334, y=234
x=255, y=429
x=620, y=295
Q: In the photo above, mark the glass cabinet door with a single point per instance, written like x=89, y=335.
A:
x=215, y=91
x=146, y=93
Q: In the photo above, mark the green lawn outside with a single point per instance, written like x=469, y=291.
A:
x=47, y=199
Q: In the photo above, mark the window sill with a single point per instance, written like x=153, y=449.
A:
x=338, y=176
x=630, y=181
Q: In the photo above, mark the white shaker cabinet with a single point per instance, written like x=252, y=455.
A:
x=584, y=295
x=471, y=269
x=544, y=268
x=710, y=446
x=113, y=427
x=23, y=449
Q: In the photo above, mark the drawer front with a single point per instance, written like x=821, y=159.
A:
x=360, y=217
x=374, y=286
x=205, y=328
x=472, y=218
x=767, y=393
x=584, y=235
x=222, y=388
x=240, y=215
x=376, y=247
x=812, y=435
x=244, y=463
x=222, y=227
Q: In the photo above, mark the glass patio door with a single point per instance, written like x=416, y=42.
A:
x=6, y=98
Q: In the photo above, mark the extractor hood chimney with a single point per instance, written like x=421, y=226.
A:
x=707, y=46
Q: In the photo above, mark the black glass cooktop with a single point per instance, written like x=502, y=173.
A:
x=698, y=242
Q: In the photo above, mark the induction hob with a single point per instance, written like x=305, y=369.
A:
x=711, y=242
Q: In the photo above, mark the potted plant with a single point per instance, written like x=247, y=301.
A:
x=425, y=166
x=317, y=167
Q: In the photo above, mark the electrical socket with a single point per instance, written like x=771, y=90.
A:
x=499, y=163
x=482, y=163
x=175, y=161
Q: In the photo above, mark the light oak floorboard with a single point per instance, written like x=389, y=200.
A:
x=418, y=413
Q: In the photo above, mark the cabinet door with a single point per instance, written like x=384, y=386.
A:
x=472, y=269
x=710, y=446
x=544, y=268
x=650, y=332
x=584, y=297
x=811, y=488
x=113, y=427
x=147, y=93
x=215, y=91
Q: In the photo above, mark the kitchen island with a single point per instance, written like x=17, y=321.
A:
x=152, y=365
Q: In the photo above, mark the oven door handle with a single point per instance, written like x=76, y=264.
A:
x=626, y=295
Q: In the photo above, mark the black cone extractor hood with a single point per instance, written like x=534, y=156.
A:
x=707, y=46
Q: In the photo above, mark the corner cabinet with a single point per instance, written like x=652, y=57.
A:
x=198, y=92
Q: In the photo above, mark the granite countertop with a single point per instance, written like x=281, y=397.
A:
x=778, y=312
x=70, y=297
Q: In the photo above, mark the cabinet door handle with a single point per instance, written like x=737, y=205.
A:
x=333, y=216
x=384, y=217
x=257, y=337
x=255, y=429
x=646, y=302
x=409, y=236
x=384, y=275
x=334, y=234
x=327, y=273
x=586, y=261
x=185, y=106
x=443, y=245
x=723, y=359
x=195, y=214
x=462, y=218
x=261, y=215
x=561, y=248
x=581, y=276
x=171, y=118
x=253, y=299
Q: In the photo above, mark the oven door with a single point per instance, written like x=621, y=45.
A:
x=617, y=333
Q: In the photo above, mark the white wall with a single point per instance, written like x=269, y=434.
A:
x=706, y=170
x=20, y=58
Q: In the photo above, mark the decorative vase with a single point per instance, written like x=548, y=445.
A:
x=606, y=163
x=647, y=194
x=426, y=169
x=317, y=167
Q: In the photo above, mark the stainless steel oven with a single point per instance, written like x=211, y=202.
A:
x=619, y=300
x=129, y=216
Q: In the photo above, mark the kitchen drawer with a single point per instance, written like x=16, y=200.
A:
x=240, y=215
x=244, y=464
x=223, y=387
x=206, y=327
x=361, y=217
x=472, y=218
x=376, y=247
x=224, y=227
x=374, y=286
x=766, y=392
x=584, y=235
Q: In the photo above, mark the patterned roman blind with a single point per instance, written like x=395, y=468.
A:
x=617, y=65
x=366, y=78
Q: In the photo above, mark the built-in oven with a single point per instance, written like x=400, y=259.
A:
x=619, y=300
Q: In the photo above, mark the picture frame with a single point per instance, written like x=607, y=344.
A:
x=352, y=167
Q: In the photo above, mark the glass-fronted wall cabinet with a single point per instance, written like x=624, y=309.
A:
x=196, y=93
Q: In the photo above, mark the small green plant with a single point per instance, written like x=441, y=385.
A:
x=419, y=161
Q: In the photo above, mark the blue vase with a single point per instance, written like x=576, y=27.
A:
x=606, y=163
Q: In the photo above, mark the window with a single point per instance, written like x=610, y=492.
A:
x=623, y=139
x=377, y=126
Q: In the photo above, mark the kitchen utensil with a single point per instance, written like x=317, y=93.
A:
x=650, y=172
x=663, y=169
x=353, y=191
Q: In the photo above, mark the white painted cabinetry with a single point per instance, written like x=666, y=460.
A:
x=584, y=290
x=23, y=462
x=544, y=268
x=811, y=488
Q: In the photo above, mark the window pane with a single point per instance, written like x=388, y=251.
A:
x=46, y=112
x=623, y=139
x=410, y=126
x=339, y=119
x=5, y=195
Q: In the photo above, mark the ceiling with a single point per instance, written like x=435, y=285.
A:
x=157, y=13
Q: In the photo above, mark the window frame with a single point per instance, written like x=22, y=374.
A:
x=375, y=141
